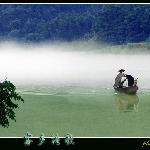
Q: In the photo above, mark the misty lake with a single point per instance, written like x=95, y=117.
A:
x=68, y=91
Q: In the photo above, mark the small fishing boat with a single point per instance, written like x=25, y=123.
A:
x=127, y=90
x=132, y=83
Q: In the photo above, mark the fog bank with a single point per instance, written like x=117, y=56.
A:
x=70, y=63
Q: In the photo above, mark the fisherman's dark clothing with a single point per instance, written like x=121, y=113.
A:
x=130, y=80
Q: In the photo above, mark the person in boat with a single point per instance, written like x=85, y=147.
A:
x=118, y=82
x=130, y=80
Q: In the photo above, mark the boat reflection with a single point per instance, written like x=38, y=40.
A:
x=126, y=102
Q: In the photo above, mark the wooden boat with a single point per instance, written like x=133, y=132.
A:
x=127, y=90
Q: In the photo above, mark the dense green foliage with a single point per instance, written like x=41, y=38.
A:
x=115, y=24
x=8, y=95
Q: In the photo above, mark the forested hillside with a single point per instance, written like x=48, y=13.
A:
x=115, y=24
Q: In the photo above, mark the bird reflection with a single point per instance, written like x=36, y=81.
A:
x=127, y=103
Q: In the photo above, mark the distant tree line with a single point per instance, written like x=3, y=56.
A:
x=115, y=24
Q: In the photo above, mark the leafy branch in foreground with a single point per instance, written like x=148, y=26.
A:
x=8, y=95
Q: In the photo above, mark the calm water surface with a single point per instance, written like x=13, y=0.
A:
x=81, y=111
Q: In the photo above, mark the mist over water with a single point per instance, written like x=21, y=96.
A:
x=77, y=63
x=68, y=88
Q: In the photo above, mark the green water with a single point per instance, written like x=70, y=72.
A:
x=81, y=112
